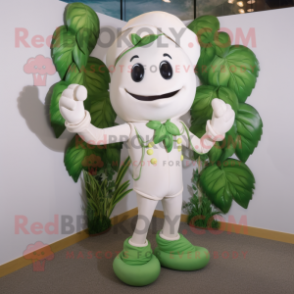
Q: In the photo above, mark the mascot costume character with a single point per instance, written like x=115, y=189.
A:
x=152, y=86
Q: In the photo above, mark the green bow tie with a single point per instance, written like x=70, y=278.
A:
x=164, y=132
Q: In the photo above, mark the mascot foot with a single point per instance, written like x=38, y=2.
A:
x=180, y=254
x=136, y=266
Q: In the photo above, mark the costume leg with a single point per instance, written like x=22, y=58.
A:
x=146, y=209
x=172, y=208
x=174, y=250
x=135, y=265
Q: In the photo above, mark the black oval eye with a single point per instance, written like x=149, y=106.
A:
x=137, y=72
x=166, y=70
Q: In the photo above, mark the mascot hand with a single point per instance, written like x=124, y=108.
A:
x=71, y=103
x=223, y=116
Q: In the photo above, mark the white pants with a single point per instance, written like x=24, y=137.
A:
x=172, y=208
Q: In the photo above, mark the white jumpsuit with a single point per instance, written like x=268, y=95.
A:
x=161, y=171
x=157, y=173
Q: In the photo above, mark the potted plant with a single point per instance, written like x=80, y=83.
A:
x=102, y=196
x=199, y=208
x=228, y=72
x=71, y=46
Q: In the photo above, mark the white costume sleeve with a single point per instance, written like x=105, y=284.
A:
x=206, y=142
x=95, y=136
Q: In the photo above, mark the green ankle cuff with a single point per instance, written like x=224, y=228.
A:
x=135, y=255
x=180, y=254
x=181, y=244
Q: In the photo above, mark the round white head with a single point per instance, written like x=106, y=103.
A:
x=153, y=82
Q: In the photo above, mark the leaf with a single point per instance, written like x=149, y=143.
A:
x=79, y=156
x=122, y=171
x=101, y=111
x=74, y=75
x=249, y=128
x=56, y=119
x=95, y=76
x=211, y=42
x=237, y=69
x=121, y=196
x=135, y=39
x=121, y=188
x=206, y=56
x=233, y=181
x=80, y=58
x=229, y=97
x=86, y=40
x=147, y=40
x=229, y=143
x=211, y=45
x=223, y=150
x=168, y=143
x=172, y=128
x=153, y=124
x=74, y=156
x=201, y=107
x=113, y=157
x=62, y=45
x=215, y=153
x=204, y=22
x=80, y=16
x=198, y=127
x=221, y=43
x=160, y=134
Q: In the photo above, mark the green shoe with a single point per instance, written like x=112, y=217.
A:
x=136, y=266
x=180, y=254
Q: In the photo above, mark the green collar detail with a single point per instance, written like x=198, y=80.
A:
x=164, y=132
x=137, y=41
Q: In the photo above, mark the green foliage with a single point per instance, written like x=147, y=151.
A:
x=102, y=196
x=137, y=41
x=147, y=40
x=80, y=58
x=228, y=73
x=102, y=113
x=201, y=111
x=204, y=23
x=62, y=46
x=226, y=148
x=164, y=132
x=249, y=128
x=83, y=22
x=95, y=76
x=74, y=155
x=211, y=42
x=70, y=50
x=201, y=107
x=233, y=180
x=56, y=119
x=199, y=209
x=221, y=64
x=237, y=69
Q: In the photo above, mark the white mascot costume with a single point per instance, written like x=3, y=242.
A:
x=152, y=86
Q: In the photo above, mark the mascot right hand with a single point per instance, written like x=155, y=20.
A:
x=71, y=103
